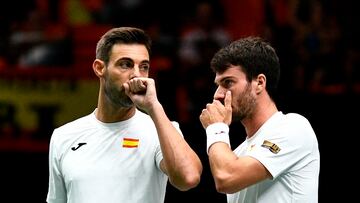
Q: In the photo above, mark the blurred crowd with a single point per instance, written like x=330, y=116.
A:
x=316, y=40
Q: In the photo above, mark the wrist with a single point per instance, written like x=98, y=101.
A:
x=217, y=132
x=154, y=108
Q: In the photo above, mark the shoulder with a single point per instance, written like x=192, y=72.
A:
x=73, y=128
x=296, y=121
x=75, y=124
x=289, y=129
x=298, y=129
x=281, y=122
x=295, y=116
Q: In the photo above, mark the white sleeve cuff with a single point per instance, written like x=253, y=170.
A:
x=217, y=132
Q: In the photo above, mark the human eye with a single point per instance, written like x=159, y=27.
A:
x=227, y=83
x=126, y=64
x=144, y=67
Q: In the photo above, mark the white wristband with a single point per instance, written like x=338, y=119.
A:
x=217, y=132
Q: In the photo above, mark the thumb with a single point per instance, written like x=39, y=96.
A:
x=228, y=108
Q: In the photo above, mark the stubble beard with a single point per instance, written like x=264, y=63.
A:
x=116, y=95
x=245, y=105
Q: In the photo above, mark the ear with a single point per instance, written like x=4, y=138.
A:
x=261, y=83
x=98, y=67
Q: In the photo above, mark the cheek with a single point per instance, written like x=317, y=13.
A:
x=236, y=102
x=144, y=74
x=119, y=77
x=240, y=96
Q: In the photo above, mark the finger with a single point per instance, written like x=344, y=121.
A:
x=203, y=118
x=216, y=102
x=209, y=107
x=130, y=85
x=137, y=82
x=136, y=85
x=126, y=88
x=228, y=99
x=141, y=85
x=203, y=113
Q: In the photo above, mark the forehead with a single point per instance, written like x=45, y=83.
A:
x=232, y=72
x=137, y=52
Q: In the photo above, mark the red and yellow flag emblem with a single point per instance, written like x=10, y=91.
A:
x=130, y=142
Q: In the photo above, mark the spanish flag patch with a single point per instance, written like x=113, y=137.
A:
x=271, y=146
x=130, y=142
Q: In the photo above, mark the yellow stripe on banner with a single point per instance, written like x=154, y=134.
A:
x=130, y=143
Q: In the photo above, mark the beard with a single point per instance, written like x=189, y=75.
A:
x=116, y=94
x=245, y=105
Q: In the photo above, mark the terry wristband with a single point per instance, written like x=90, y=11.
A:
x=217, y=132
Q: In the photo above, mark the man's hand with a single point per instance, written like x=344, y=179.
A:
x=217, y=112
x=142, y=92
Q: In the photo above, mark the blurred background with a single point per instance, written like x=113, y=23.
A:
x=47, y=48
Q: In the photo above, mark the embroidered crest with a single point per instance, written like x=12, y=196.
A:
x=271, y=146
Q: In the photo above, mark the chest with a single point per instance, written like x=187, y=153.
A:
x=109, y=156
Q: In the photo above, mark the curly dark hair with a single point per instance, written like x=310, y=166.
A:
x=254, y=56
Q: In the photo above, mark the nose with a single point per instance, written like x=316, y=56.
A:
x=136, y=71
x=220, y=93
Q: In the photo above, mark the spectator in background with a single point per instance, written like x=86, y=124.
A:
x=203, y=33
x=38, y=40
x=319, y=46
x=199, y=40
x=10, y=15
x=124, y=12
x=245, y=17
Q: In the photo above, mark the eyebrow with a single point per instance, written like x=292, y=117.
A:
x=130, y=59
x=222, y=79
x=145, y=61
x=125, y=59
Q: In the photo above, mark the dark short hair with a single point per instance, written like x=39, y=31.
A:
x=254, y=56
x=121, y=35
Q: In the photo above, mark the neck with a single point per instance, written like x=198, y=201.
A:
x=107, y=115
x=110, y=113
x=253, y=123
